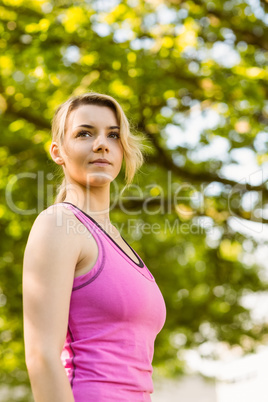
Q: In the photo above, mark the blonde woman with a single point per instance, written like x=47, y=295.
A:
x=92, y=309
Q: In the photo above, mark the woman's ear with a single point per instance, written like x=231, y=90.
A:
x=55, y=153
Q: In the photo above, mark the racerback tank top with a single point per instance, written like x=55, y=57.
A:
x=116, y=311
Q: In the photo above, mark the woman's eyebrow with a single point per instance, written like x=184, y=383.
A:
x=89, y=126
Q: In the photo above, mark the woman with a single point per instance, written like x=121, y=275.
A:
x=92, y=309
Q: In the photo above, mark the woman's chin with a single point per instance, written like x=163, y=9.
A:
x=99, y=179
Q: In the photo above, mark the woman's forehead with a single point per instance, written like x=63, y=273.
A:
x=92, y=115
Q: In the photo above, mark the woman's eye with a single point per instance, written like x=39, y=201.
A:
x=116, y=135
x=82, y=133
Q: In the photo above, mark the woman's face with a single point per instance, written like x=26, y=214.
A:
x=92, y=132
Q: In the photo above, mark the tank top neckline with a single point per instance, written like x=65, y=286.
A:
x=141, y=264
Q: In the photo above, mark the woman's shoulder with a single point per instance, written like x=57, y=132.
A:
x=55, y=215
x=55, y=210
x=53, y=225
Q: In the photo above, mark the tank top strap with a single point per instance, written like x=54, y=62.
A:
x=90, y=224
x=104, y=241
x=94, y=231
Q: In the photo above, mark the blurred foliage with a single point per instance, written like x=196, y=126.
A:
x=168, y=63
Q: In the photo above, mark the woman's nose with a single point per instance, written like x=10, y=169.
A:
x=100, y=142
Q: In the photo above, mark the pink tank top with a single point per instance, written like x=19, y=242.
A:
x=116, y=311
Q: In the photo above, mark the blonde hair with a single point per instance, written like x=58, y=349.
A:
x=133, y=145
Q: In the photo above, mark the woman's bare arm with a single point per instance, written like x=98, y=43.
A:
x=50, y=257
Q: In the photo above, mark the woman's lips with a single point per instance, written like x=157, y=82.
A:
x=100, y=163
